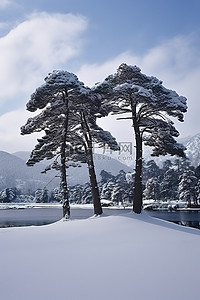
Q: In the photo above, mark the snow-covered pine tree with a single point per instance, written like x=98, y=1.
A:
x=69, y=121
x=150, y=105
x=152, y=189
x=55, y=98
x=150, y=170
x=107, y=189
x=86, y=194
x=169, y=185
x=7, y=195
x=75, y=193
x=167, y=164
x=41, y=196
x=122, y=188
x=188, y=187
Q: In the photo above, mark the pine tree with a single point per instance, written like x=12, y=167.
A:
x=69, y=121
x=152, y=189
x=150, y=106
x=75, y=194
x=41, y=196
x=7, y=195
x=54, y=97
x=188, y=187
x=86, y=194
x=169, y=185
x=107, y=189
x=150, y=170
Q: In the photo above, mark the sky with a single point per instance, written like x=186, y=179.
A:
x=91, y=39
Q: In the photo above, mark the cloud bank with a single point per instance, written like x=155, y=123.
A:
x=5, y=3
x=35, y=47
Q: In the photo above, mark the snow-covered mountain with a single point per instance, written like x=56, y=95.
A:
x=193, y=149
x=15, y=173
x=80, y=175
x=193, y=152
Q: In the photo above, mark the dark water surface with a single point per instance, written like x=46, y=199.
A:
x=43, y=216
x=186, y=218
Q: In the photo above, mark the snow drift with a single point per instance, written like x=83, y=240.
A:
x=116, y=257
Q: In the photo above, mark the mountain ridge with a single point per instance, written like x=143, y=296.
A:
x=15, y=173
x=193, y=149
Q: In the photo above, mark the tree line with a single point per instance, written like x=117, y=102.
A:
x=175, y=180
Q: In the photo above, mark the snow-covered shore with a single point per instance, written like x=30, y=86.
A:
x=117, y=257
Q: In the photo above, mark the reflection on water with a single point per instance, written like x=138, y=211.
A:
x=194, y=224
x=185, y=218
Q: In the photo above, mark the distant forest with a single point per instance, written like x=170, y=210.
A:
x=175, y=180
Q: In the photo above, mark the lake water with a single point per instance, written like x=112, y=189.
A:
x=186, y=218
x=43, y=216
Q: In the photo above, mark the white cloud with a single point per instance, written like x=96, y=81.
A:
x=35, y=47
x=170, y=61
x=93, y=73
x=10, y=138
x=176, y=62
x=5, y=3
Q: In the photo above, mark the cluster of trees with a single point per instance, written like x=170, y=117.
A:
x=68, y=115
x=176, y=180
x=8, y=195
x=118, y=189
x=14, y=195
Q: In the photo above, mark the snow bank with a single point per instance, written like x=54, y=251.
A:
x=116, y=257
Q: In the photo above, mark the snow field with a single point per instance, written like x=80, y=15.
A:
x=107, y=258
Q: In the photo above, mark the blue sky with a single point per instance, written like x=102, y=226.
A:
x=91, y=38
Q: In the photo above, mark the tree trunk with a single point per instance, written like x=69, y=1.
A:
x=64, y=189
x=94, y=185
x=137, y=193
x=90, y=161
x=137, y=204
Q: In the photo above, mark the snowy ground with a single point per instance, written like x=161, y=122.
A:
x=107, y=258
